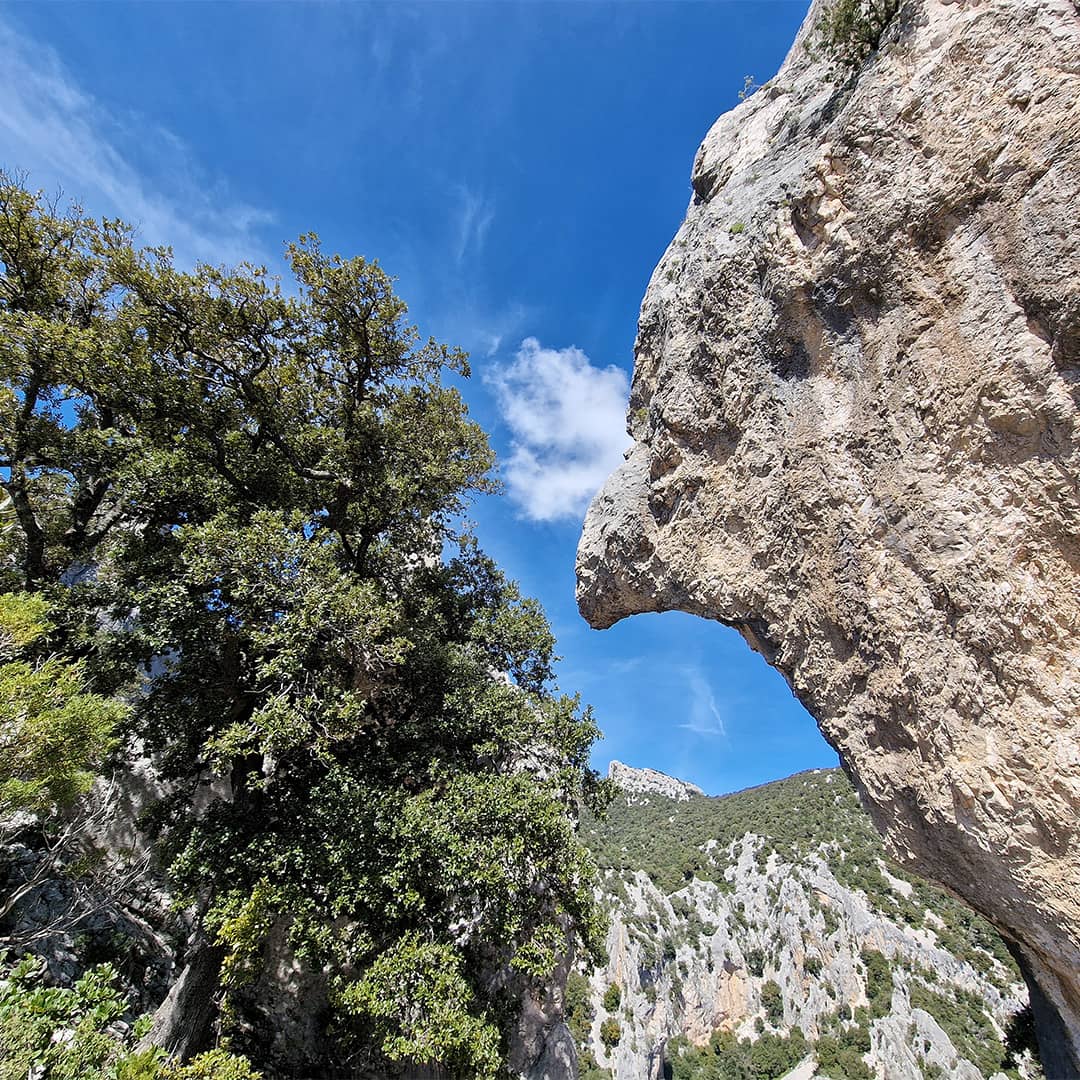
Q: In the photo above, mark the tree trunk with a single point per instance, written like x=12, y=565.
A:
x=183, y=1022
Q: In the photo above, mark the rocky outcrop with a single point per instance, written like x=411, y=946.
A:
x=855, y=421
x=641, y=783
x=775, y=914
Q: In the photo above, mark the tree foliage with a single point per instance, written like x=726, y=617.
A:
x=242, y=509
x=53, y=732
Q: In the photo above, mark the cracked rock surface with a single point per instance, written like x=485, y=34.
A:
x=855, y=420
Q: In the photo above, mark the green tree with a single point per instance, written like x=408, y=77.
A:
x=610, y=1032
x=772, y=1001
x=244, y=510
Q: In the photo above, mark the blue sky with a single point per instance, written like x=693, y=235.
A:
x=520, y=167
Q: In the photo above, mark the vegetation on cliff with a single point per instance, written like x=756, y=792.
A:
x=235, y=513
x=775, y=916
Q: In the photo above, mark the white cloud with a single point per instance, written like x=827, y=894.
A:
x=704, y=717
x=568, y=421
x=119, y=165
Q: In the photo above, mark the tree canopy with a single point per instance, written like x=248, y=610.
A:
x=239, y=511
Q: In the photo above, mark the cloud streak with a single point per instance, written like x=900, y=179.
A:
x=705, y=717
x=474, y=218
x=124, y=166
x=567, y=419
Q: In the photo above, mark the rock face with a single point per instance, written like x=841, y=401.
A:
x=641, y=783
x=806, y=906
x=855, y=421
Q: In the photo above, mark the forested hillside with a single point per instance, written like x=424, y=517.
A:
x=763, y=930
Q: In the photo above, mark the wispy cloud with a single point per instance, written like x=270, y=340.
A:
x=474, y=218
x=120, y=165
x=567, y=419
x=704, y=716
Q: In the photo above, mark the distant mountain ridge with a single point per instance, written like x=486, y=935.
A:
x=765, y=931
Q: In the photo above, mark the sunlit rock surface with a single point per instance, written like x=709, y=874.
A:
x=854, y=411
x=639, y=784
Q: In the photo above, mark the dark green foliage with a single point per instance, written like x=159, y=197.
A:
x=850, y=30
x=1020, y=1041
x=578, y=1008
x=727, y=1058
x=772, y=1001
x=879, y=982
x=665, y=838
x=840, y=1058
x=579, y=1016
x=612, y=996
x=258, y=497
x=610, y=1032
x=755, y=962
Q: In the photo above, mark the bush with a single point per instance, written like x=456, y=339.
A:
x=772, y=1001
x=840, y=1062
x=612, y=997
x=755, y=962
x=72, y=1033
x=850, y=30
x=879, y=982
x=610, y=1032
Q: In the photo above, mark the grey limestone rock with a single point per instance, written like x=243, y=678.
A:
x=854, y=414
x=641, y=783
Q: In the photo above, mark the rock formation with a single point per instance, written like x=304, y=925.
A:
x=640, y=783
x=855, y=421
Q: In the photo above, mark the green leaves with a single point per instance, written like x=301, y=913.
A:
x=242, y=512
x=424, y=1010
x=53, y=733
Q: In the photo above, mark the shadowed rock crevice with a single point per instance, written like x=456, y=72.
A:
x=855, y=422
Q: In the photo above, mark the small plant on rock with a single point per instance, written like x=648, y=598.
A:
x=850, y=30
x=610, y=1032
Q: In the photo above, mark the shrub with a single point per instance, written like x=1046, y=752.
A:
x=612, y=997
x=71, y=1033
x=850, y=30
x=879, y=982
x=772, y=1001
x=610, y=1032
x=755, y=962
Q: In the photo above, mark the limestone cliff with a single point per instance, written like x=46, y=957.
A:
x=855, y=421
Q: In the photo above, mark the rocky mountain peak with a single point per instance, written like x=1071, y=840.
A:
x=640, y=783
